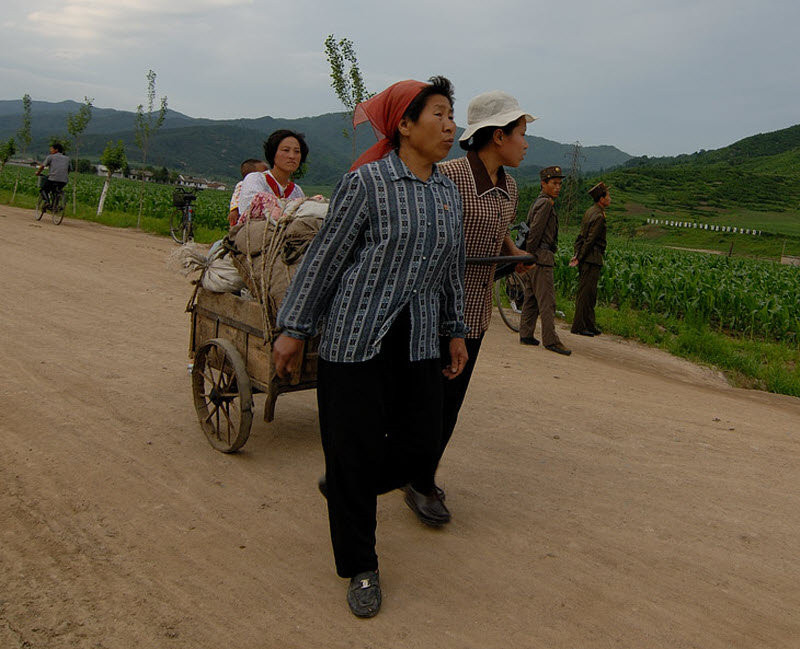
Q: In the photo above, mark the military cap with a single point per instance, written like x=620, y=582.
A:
x=598, y=191
x=549, y=173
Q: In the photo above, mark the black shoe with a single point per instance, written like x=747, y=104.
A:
x=584, y=332
x=558, y=348
x=322, y=485
x=529, y=341
x=440, y=492
x=364, y=594
x=596, y=331
x=429, y=508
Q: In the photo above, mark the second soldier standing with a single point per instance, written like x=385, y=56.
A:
x=589, y=249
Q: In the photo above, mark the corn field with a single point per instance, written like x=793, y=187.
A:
x=746, y=296
x=211, y=208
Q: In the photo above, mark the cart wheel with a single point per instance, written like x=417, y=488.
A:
x=223, y=396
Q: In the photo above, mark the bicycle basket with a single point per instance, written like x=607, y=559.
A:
x=181, y=198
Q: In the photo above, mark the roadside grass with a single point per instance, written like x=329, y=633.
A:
x=749, y=363
x=153, y=225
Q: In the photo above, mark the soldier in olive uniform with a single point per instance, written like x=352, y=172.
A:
x=542, y=243
x=589, y=248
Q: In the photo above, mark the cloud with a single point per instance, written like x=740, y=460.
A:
x=86, y=27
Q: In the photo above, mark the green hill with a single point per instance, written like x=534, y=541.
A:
x=215, y=148
x=753, y=183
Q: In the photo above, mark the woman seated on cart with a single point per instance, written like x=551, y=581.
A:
x=284, y=151
x=385, y=275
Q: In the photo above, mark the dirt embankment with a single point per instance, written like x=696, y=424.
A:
x=616, y=498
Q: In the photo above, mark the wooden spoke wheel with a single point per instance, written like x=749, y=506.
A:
x=223, y=396
x=509, y=296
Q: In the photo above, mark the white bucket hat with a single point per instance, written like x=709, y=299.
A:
x=494, y=108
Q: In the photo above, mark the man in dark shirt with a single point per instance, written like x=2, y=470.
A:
x=59, y=169
x=538, y=284
x=589, y=248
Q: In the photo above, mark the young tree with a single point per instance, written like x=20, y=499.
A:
x=113, y=159
x=84, y=166
x=161, y=175
x=76, y=125
x=23, y=135
x=7, y=149
x=346, y=79
x=146, y=126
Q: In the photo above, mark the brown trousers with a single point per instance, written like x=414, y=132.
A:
x=540, y=301
x=586, y=298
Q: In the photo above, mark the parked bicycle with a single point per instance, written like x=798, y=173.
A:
x=508, y=292
x=51, y=199
x=181, y=221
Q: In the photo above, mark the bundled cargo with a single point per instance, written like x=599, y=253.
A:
x=215, y=269
x=267, y=252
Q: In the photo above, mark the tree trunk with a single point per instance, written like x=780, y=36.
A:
x=141, y=202
x=75, y=185
x=103, y=194
x=16, y=182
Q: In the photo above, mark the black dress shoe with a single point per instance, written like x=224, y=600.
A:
x=429, y=508
x=440, y=492
x=584, y=332
x=558, y=348
x=529, y=340
x=364, y=594
x=596, y=331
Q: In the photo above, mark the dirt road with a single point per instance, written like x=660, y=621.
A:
x=616, y=498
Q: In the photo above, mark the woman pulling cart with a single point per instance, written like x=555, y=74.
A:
x=385, y=276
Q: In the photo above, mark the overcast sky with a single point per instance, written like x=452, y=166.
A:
x=648, y=76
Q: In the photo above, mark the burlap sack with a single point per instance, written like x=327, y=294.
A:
x=253, y=240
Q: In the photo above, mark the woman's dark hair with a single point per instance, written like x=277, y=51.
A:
x=483, y=136
x=272, y=143
x=438, y=86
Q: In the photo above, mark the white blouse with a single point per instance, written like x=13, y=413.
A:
x=256, y=182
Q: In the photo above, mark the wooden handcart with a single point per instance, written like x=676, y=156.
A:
x=232, y=362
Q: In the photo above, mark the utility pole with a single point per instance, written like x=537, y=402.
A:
x=572, y=183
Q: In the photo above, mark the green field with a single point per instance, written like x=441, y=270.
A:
x=122, y=202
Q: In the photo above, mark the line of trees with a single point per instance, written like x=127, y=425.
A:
x=147, y=122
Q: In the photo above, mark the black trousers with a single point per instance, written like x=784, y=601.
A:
x=453, y=391
x=52, y=185
x=586, y=299
x=381, y=423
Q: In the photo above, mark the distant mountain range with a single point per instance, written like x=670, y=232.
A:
x=215, y=148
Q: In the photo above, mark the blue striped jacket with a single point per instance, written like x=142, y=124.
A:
x=390, y=240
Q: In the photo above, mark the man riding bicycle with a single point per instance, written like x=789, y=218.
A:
x=59, y=171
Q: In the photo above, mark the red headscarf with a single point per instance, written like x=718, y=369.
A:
x=384, y=112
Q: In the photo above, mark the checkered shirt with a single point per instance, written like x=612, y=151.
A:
x=489, y=210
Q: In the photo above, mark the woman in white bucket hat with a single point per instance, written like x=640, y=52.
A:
x=494, y=139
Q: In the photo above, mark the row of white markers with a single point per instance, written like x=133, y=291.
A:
x=704, y=226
